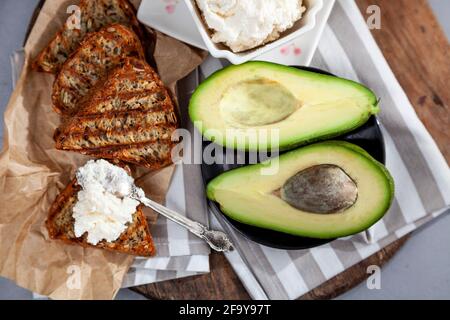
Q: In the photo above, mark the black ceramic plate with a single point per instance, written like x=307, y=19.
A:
x=368, y=137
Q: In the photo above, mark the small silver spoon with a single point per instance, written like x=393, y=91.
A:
x=217, y=240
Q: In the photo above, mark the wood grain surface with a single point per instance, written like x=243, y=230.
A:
x=418, y=53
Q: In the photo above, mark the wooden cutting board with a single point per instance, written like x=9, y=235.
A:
x=418, y=52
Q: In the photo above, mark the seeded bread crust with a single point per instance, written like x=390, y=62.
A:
x=128, y=116
x=136, y=240
x=95, y=14
x=98, y=54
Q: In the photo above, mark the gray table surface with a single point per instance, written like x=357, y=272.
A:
x=421, y=269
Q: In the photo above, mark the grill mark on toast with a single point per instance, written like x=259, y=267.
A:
x=107, y=139
x=74, y=85
x=92, y=53
x=127, y=102
x=70, y=98
x=75, y=81
x=124, y=120
x=131, y=85
x=150, y=155
x=105, y=47
x=87, y=70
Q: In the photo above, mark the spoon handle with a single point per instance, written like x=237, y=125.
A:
x=217, y=240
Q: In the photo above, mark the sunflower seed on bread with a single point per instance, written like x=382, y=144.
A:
x=99, y=53
x=94, y=15
x=128, y=116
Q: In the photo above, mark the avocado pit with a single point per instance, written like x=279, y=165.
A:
x=257, y=102
x=322, y=189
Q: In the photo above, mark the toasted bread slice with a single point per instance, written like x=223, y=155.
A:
x=136, y=240
x=129, y=116
x=101, y=52
x=95, y=14
x=152, y=156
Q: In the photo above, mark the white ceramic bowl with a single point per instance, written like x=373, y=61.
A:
x=305, y=24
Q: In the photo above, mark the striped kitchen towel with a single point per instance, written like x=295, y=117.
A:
x=421, y=174
x=179, y=253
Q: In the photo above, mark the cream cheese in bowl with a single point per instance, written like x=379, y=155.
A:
x=247, y=24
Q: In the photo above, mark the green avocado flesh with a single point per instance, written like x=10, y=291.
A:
x=261, y=105
x=325, y=190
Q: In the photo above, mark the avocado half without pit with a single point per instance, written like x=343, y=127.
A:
x=326, y=190
x=240, y=106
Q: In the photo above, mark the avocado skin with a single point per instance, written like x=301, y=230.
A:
x=389, y=189
x=292, y=141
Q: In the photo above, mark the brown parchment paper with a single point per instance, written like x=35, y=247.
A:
x=32, y=173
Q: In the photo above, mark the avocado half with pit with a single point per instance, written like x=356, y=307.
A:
x=261, y=105
x=326, y=190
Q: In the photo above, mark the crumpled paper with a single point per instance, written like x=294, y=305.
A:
x=33, y=172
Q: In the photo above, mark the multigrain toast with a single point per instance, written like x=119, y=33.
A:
x=98, y=54
x=136, y=240
x=95, y=14
x=128, y=116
